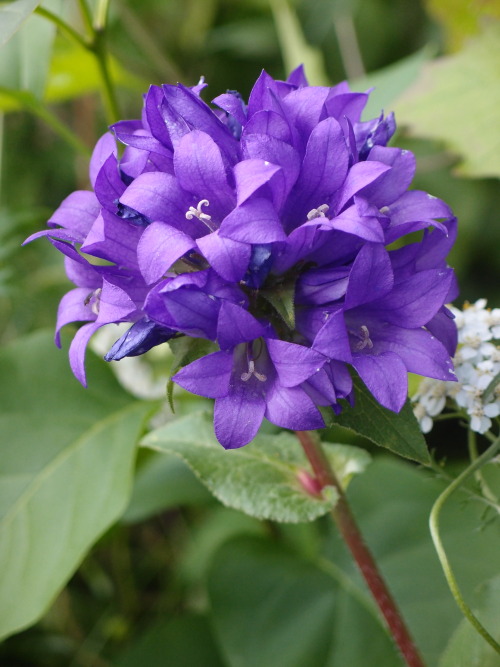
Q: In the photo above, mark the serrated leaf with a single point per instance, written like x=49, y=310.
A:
x=13, y=15
x=455, y=100
x=260, y=479
x=398, y=432
x=67, y=463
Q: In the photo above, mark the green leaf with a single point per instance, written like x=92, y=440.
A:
x=67, y=463
x=268, y=602
x=163, y=482
x=282, y=299
x=13, y=15
x=260, y=479
x=398, y=432
x=183, y=641
x=391, y=82
x=462, y=18
x=271, y=607
x=24, y=61
x=75, y=72
x=454, y=101
x=467, y=648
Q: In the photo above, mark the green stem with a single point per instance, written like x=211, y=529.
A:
x=86, y=17
x=351, y=534
x=438, y=544
x=101, y=15
x=59, y=128
x=63, y=26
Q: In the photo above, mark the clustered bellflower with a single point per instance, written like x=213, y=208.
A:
x=274, y=228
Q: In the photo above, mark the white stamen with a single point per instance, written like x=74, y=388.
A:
x=197, y=212
x=318, y=212
x=365, y=339
x=251, y=371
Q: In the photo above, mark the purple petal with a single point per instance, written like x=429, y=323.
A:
x=444, y=328
x=200, y=170
x=159, y=247
x=236, y=325
x=420, y=351
x=108, y=184
x=72, y=308
x=304, y=107
x=255, y=221
x=105, y=147
x=294, y=363
x=385, y=376
x=197, y=113
x=391, y=185
x=291, y=407
x=332, y=339
x=325, y=163
x=238, y=416
x=113, y=239
x=141, y=337
x=158, y=197
x=265, y=147
x=115, y=304
x=359, y=176
x=250, y=175
x=371, y=276
x=353, y=221
x=77, y=350
x=271, y=124
x=413, y=211
x=229, y=258
x=208, y=376
x=233, y=105
x=414, y=301
x=76, y=213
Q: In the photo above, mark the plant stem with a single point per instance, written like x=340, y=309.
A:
x=438, y=544
x=351, y=534
x=62, y=25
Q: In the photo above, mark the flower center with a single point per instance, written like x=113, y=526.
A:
x=318, y=212
x=251, y=371
x=364, y=338
x=198, y=213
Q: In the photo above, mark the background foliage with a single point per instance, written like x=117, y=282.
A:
x=154, y=559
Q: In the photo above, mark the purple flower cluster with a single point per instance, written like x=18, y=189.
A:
x=274, y=229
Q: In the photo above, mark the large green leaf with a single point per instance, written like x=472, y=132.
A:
x=67, y=458
x=268, y=602
x=455, y=100
x=183, y=641
x=467, y=648
x=24, y=61
x=260, y=479
x=398, y=432
x=271, y=607
x=13, y=15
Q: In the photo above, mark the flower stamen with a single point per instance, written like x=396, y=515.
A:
x=251, y=371
x=93, y=300
x=318, y=212
x=193, y=212
x=365, y=340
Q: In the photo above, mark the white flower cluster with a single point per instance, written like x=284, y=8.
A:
x=477, y=363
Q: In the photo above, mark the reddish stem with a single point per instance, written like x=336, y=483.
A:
x=351, y=534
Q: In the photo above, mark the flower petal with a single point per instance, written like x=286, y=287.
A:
x=208, y=376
